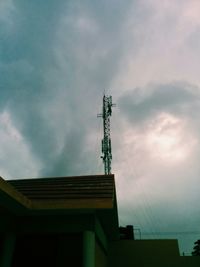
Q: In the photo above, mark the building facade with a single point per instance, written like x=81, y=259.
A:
x=73, y=221
x=57, y=221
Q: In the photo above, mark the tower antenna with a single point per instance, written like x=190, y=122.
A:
x=106, y=141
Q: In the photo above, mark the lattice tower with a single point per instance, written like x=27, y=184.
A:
x=106, y=141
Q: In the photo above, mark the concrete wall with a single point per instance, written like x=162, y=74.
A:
x=148, y=253
x=100, y=256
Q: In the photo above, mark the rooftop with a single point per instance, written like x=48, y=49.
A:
x=89, y=192
x=94, y=195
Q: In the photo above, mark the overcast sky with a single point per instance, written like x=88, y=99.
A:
x=58, y=57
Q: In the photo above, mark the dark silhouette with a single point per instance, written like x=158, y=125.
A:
x=196, y=248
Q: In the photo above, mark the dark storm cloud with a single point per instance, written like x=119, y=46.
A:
x=143, y=103
x=55, y=60
x=27, y=53
x=34, y=26
x=70, y=158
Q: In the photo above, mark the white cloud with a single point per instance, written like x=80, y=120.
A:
x=157, y=158
x=7, y=11
x=167, y=36
x=168, y=139
x=15, y=158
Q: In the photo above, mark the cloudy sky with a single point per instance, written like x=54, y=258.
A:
x=56, y=61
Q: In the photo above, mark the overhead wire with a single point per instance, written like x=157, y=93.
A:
x=149, y=224
x=145, y=207
x=146, y=215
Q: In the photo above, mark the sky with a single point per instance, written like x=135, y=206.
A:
x=57, y=59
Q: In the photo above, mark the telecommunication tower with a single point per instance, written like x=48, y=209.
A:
x=106, y=141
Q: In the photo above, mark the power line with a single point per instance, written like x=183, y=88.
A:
x=172, y=233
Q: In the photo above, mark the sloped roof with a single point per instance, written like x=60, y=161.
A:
x=93, y=194
x=81, y=187
x=10, y=198
x=90, y=192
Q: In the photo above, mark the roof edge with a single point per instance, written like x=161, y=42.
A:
x=58, y=177
x=12, y=193
x=72, y=204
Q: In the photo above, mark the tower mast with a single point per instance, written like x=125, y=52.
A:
x=106, y=141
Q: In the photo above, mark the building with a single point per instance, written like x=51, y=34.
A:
x=51, y=222
x=72, y=220
x=149, y=253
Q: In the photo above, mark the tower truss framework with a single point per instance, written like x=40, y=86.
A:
x=106, y=141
